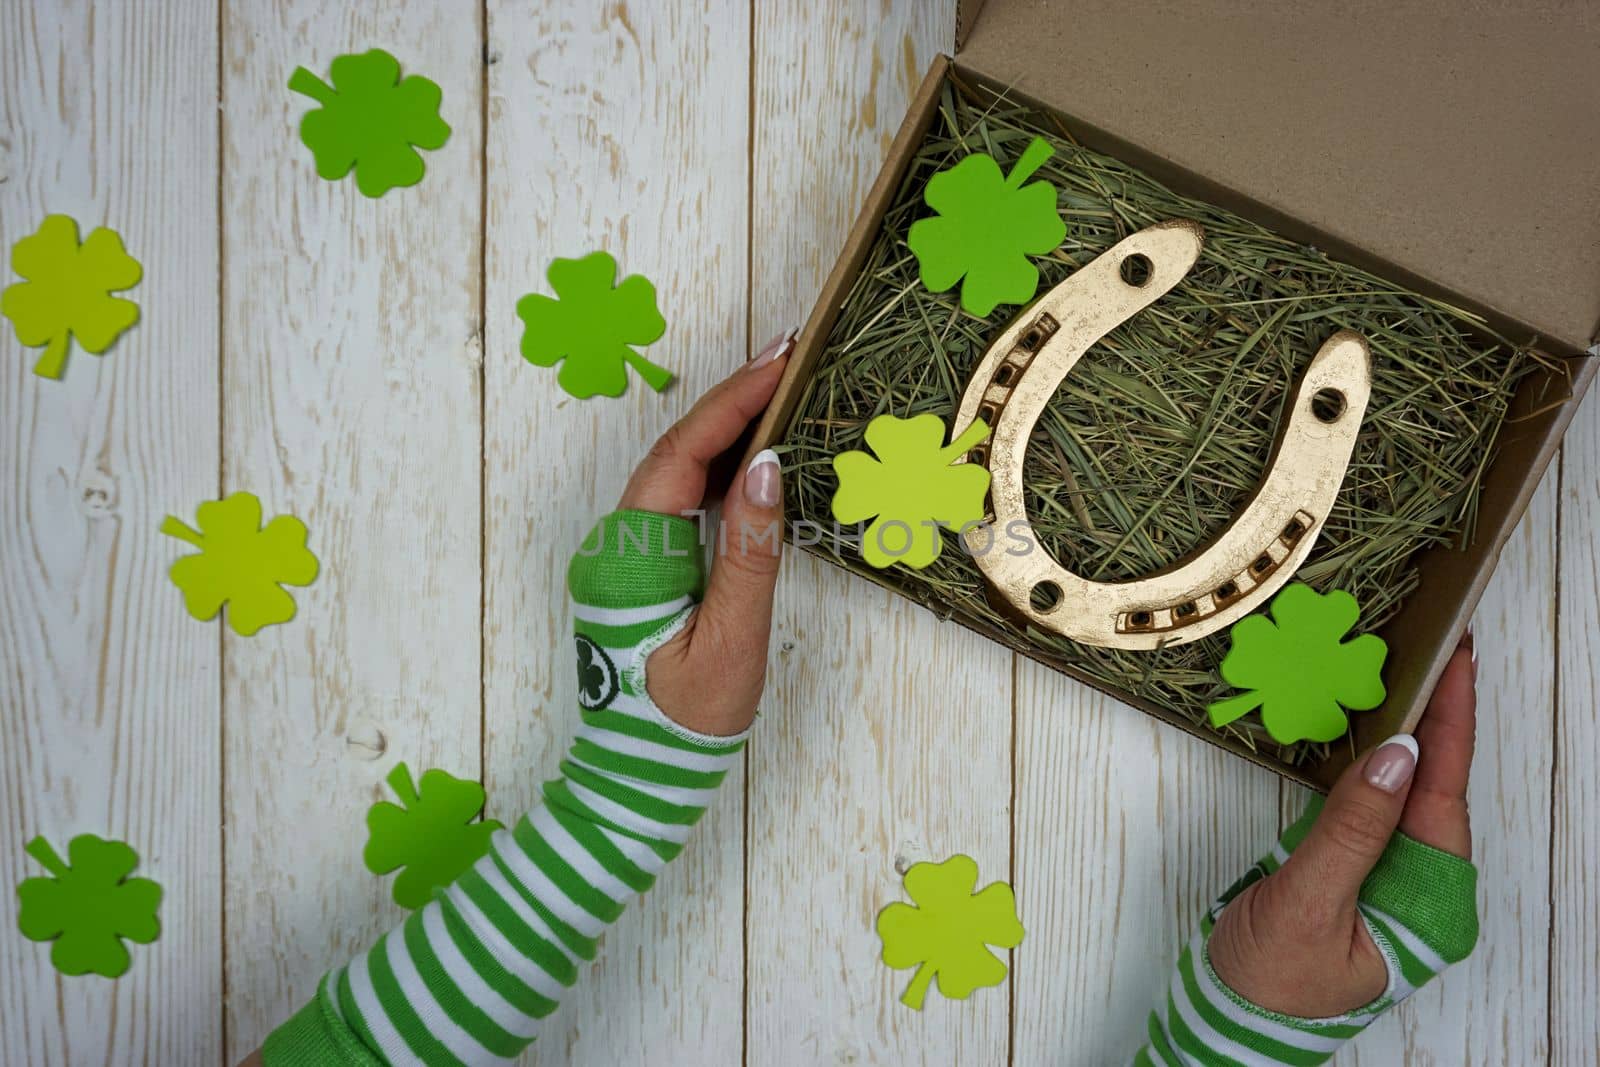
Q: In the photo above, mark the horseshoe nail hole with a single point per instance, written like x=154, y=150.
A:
x=1293, y=531
x=1226, y=591
x=1186, y=610
x=1136, y=270
x=1031, y=339
x=979, y=455
x=1262, y=565
x=1140, y=620
x=1045, y=596
x=986, y=413
x=1004, y=374
x=1327, y=405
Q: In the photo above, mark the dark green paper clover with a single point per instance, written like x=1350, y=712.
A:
x=370, y=119
x=591, y=326
x=89, y=906
x=1299, y=671
x=987, y=226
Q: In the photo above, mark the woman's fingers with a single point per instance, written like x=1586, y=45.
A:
x=1323, y=876
x=748, y=546
x=672, y=477
x=735, y=619
x=1436, y=811
x=709, y=676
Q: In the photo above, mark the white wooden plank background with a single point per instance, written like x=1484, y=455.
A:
x=610, y=128
x=355, y=362
x=109, y=694
x=351, y=387
x=886, y=737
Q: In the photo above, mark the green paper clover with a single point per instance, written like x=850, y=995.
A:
x=68, y=291
x=89, y=906
x=241, y=563
x=369, y=119
x=1297, y=668
x=987, y=227
x=430, y=833
x=591, y=328
x=948, y=931
x=911, y=488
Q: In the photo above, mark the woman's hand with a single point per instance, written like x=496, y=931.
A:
x=709, y=676
x=1293, y=942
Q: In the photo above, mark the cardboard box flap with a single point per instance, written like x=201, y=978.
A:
x=1459, y=142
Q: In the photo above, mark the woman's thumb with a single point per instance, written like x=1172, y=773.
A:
x=1325, y=873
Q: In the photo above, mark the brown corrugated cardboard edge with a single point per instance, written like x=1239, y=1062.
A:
x=1455, y=141
x=1427, y=629
x=966, y=17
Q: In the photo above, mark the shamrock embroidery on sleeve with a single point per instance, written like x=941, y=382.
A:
x=948, y=930
x=589, y=327
x=370, y=119
x=1297, y=668
x=241, y=563
x=598, y=684
x=911, y=487
x=89, y=906
x=430, y=833
x=67, y=292
x=987, y=226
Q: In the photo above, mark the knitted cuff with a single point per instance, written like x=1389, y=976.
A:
x=634, y=583
x=1431, y=893
x=634, y=559
x=315, y=1036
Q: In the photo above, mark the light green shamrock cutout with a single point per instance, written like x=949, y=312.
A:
x=910, y=487
x=591, y=328
x=89, y=906
x=241, y=563
x=68, y=291
x=948, y=932
x=429, y=833
x=370, y=119
x=1298, y=669
x=987, y=227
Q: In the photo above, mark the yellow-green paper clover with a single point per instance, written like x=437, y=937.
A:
x=68, y=291
x=987, y=226
x=370, y=119
x=948, y=931
x=241, y=563
x=88, y=906
x=1297, y=668
x=911, y=487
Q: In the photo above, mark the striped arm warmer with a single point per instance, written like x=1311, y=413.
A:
x=468, y=977
x=1419, y=904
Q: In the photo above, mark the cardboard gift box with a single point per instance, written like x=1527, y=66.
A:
x=1450, y=150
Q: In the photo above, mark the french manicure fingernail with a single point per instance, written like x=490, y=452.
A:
x=762, y=479
x=774, y=349
x=1392, y=764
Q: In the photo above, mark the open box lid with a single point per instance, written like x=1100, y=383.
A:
x=1459, y=143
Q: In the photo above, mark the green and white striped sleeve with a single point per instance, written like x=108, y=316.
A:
x=468, y=978
x=1419, y=904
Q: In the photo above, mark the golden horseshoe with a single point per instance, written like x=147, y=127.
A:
x=1252, y=558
